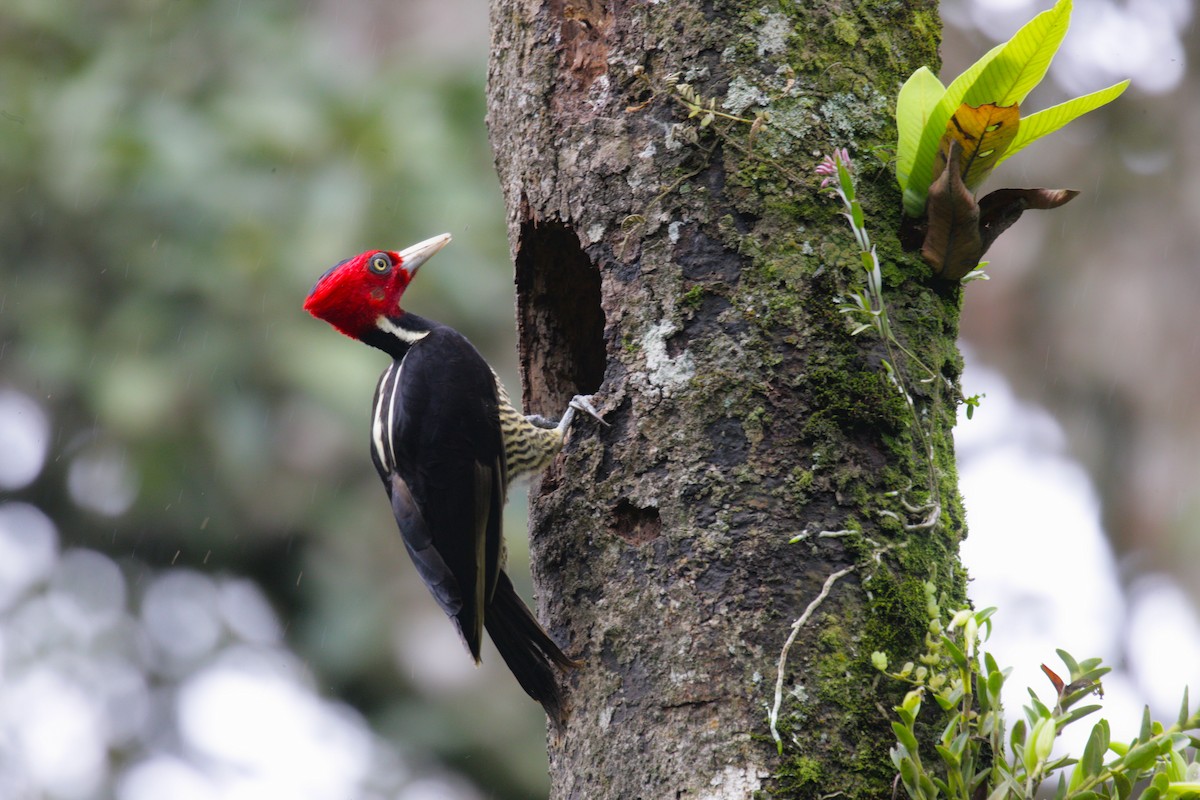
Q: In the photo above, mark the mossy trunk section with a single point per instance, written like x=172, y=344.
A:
x=689, y=276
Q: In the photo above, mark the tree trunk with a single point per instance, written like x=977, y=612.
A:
x=690, y=276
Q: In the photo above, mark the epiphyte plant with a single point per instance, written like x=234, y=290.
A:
x=973, y=125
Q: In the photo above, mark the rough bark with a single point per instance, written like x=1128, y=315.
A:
x=689, y=276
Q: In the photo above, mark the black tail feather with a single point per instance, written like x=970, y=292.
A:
x=528, y=650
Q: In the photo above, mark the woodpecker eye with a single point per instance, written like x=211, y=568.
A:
x=380, y=264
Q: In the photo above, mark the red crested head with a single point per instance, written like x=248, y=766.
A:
x=354, y=295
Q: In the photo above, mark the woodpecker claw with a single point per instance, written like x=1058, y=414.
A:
x=583, y=402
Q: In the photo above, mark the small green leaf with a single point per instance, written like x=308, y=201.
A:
x=908, y=774
x=1176, y=767
x=1017, y=735
x=1068, y=660
x=857, y=218
x=1093, y=752
x=1142, y=756
x=951, y=726
x=1036, y=708
x=1180, y=787
x=1078, y=776
x=945, y=703
x=956, y=654
x=1078, y=714
x=1044, y=739
x=1184, y=710
x=989, y=661
x=999, y=793
x=952, y=760
x=905, y=737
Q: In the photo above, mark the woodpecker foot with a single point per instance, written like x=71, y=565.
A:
x=583, y=402
x=580, y=402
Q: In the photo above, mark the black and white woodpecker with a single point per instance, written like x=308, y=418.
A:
x=446, y=441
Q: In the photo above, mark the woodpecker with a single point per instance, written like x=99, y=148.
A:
x=446, y=442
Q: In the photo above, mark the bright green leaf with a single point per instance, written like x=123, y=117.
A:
x=1048, y=120
x=1023, y=61
x=918, y=98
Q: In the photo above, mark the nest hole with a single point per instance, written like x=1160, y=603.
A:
x=559, y=318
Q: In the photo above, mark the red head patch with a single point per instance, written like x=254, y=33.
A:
x=353, y=295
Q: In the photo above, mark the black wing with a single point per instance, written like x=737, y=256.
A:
x=437, y=444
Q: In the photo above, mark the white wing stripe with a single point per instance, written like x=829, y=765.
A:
x=378, y=432
x=393, y=401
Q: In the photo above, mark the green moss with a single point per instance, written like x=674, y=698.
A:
x=798, y=485
x=693, y=297
x=753, y=425
x=857, y=399
x=846, y=30
x=897, y=615
x=800, y=775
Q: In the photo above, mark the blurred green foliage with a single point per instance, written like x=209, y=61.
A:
x=176, y=174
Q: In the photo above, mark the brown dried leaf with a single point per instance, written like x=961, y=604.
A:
x=952, y=243
x=998, y=210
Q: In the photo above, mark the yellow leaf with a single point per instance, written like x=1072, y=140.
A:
x=984, y=134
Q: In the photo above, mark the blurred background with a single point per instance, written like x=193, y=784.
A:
x=202, y=594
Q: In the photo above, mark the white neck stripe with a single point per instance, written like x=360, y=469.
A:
x=387, y=326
